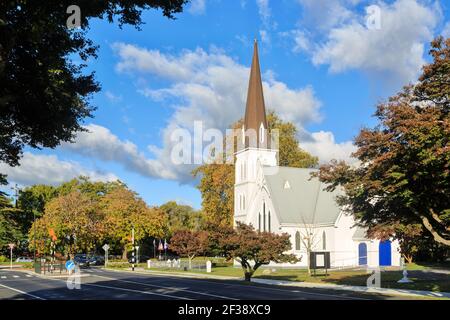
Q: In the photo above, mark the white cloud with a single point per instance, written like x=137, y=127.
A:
x=323, y=145
x=264, y=11
x=100, y=143
x=265, y=37
x=48, y=169
x=211, y=87
x=395, y=50
x=325, y=14
x=446, y=30
x=113, y=97
x=197, y=7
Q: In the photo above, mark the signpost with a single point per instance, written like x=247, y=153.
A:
x=106, y=248
x=137, y=255
x=11, y=247
x=132, y=253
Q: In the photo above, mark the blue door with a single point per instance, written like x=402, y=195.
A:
x=362, y=254
x=385, y=253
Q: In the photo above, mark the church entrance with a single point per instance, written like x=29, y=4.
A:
x=362, y=254
x=384, y=253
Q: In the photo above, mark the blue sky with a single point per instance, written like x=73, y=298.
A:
x=324, y=68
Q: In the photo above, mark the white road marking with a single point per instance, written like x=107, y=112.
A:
x=3, y=277
x=261, y=287
x=28, y=275
x=170, y=288
x=14, y=276
x=22, y=292
x=137, y=291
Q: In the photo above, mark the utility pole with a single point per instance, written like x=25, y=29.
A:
x=16, y=194
x=132, y=252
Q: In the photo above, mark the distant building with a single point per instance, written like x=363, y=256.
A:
x=284, y=199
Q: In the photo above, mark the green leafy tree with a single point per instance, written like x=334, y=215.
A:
x=44, y=94
x=181, y=217
x=10, y=231
x=253, y=249
x=404, y=171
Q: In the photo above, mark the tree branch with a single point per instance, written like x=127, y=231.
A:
x=435, y=234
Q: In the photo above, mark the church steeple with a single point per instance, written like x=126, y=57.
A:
x=255, y=111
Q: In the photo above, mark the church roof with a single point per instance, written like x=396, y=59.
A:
x=360, y=234
x=255, y=110
x=304, y=201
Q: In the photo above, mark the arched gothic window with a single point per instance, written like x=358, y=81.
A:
x=324, y=241
x=297, y=241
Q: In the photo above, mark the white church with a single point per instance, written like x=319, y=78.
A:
x=285, y=200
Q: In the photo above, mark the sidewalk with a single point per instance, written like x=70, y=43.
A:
x=388, y=291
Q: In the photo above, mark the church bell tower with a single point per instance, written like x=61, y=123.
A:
x=254, y=146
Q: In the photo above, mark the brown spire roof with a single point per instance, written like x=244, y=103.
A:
x=255, y=111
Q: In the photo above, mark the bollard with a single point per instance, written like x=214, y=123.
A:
x=149, y=263
x=208, y=266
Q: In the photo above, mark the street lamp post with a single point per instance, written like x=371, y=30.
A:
x=132, y=252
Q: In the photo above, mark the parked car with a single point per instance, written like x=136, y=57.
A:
x=81, y=260
x=24, y=259
x=96, y=260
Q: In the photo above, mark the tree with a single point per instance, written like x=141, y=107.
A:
x=309, y=239
x=217, y=178
x=189, y=244
x=290, y=153
x=44, y=94
x=75, y=219
x=253, y=249
x=404, y=171
x=181, y=217
x=123, y=211
x=10, y=231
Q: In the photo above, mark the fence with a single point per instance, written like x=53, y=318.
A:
x=48, y=267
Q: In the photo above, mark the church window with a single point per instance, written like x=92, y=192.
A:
x=269, y=219
x=324, y=241
x=264, y=216
x=259, y=221
x=261, y=133
x=297, y=241
x=243, y=202
x=243, y=135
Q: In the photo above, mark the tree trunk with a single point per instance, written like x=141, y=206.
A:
x=124, y=253
x=248, y=276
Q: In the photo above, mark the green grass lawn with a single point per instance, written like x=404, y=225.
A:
x=428, y=281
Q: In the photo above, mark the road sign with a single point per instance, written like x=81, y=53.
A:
x=105, y=247
x=70, y=265
x=11, y=246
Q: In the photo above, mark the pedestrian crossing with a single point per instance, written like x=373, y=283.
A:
x=16, y=277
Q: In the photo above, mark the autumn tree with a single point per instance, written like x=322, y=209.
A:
x=75, y=219
x=217, y=178
x=189, y=244
x=123, y=211
x=253, y=249
x=45, y=92
x=404, y=172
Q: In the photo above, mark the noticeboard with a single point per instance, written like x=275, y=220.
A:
x=319, y=260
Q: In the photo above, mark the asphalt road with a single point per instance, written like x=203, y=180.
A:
x=102, y=284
